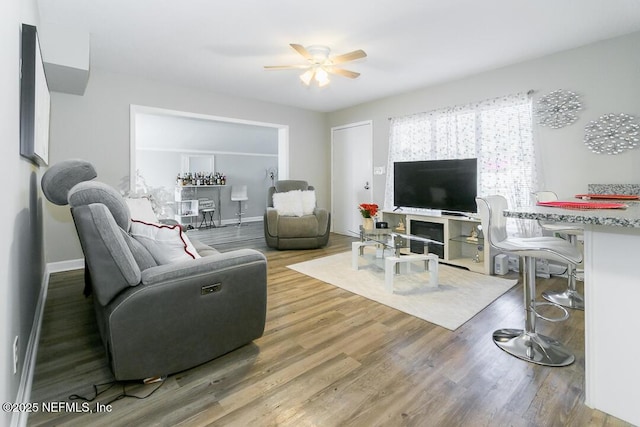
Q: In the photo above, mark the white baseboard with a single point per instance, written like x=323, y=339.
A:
x=19, y=419
x=247, y=219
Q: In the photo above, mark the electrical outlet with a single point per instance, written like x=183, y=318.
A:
x=15, y=355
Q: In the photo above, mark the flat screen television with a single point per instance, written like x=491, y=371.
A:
x=447, y=185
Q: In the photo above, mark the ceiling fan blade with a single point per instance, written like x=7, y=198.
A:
x=343, y=73
x=285, y=67
x=351, y=56
x=302, y=51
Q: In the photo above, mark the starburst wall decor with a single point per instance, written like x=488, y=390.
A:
x=558, y=109
x=612, y=134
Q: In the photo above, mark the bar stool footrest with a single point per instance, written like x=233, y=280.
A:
x=564, y=317
x=533, y=347
x=566, y=298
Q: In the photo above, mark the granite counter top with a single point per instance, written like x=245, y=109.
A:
x=629, y=217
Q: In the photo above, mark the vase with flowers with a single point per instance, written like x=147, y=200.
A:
x=368, y=211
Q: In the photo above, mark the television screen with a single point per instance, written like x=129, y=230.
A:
x=447, y=185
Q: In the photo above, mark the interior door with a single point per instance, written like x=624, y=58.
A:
x=351, y=174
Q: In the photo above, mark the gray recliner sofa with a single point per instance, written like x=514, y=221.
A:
x=295, y=232
x=155, y=319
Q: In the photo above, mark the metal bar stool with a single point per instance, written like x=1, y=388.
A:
x=569, y=297
x=527, y=343
x=239, y=194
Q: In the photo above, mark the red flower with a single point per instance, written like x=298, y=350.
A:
x=368, y=210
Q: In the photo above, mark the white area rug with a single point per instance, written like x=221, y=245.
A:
x=459, y=296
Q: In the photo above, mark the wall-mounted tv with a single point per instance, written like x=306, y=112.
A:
x=447, y=185
x=34, y=100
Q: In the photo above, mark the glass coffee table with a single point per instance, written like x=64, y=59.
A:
x=393, y=249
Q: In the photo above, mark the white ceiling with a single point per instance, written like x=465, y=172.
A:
x=222, y=46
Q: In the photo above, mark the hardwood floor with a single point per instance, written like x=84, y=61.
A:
x=327, y=358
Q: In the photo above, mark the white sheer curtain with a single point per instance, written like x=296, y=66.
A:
x=498, y=132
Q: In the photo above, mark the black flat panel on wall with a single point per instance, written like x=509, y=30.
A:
x=34, y=100
x=428, y=230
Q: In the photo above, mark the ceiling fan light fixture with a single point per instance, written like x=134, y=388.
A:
x=319, y=54
x=320, y=64
x=307, y=76
x=322, y=77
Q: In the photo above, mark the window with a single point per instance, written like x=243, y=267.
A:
x=499, y=132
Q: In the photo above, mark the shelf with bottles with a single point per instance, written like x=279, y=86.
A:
x=200, y=179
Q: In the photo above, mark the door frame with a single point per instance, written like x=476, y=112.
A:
x=134, y=110
x=333, y=189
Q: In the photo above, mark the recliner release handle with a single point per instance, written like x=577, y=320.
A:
x=209, y=289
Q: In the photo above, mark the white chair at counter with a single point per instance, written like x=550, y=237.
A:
x=239, y=194
x=526, y=343
x=569, y=297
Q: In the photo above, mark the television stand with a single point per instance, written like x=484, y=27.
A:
x=456, y=214
x=463, y=246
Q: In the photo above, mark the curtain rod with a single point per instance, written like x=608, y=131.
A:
x=529, y=92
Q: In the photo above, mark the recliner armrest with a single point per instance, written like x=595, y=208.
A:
x=323, y=219
x=271, y=221
x=199, y=266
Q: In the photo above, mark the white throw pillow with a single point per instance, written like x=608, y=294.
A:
x=167, y=243
x=141, y=209
x=308, y=202
x=289, y=203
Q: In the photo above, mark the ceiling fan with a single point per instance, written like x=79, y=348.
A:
x=321, y=64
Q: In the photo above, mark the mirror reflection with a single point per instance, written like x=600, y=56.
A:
x=197, y=163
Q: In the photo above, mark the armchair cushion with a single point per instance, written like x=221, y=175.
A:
x=308, y=201
x=289, y=203
x=295, y=202
x=304, y=226
x=166, y=243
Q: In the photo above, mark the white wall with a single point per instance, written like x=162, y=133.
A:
x=95, y=127
x=606, y=74
x=21, y=248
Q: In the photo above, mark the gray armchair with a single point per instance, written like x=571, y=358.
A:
x=295, y=232
x=157, y=319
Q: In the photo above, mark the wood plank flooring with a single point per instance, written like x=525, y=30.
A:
x=327, y=358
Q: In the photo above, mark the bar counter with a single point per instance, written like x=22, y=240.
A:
x=612, y=296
